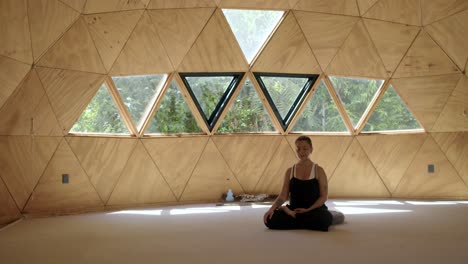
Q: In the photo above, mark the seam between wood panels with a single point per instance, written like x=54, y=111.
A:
x=8, y=190
x=95, y=47
x=376, y=50
x=160, y=39
x=443, y=50
x=338, y=163
x=446, y=102
x=30, y=32
x=404, y=55
x=268, y=163
x=224, y=159
x=368, y=9
x=444, y=17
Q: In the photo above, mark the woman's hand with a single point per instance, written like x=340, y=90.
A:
x=289, y=212
x=301, y=210
x=268, y=215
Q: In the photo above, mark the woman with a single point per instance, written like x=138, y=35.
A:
x=306, y=184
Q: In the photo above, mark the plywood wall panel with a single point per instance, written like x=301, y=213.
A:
x=391, y=40
x=45, y=121
x=399, y=11
x=110, y=31
x=425, y=58
x=143, y=53
x=14, y=29
x=51, y=195
x=141, y=181
x=287, y=51
x=455, y=147
x=215, y=50
x=78, y=5
x=179, y=28
x=74, y=51
x=433, y=10
x=254, y=4
x=454, y=115
x=426, y=96
x=419, y=183
x=364, y=5
x=358, y=56
x=99, y=6
x=69, y=92
x=211, y=177
x=355, y=176
x=391, y=154
x=176, y=158
x=340, y=7
x=103, y=159
x=247, y=156
x=273, y=176
x=11, y=74
x=166, y=4
x=452, y=36
x=325, y=33
x=48, y=21
x=8, y=210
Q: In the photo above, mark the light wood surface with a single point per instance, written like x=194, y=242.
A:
x=99, y=6
x=176, y=158
x=325, y=33
x=358, y=56
x=364, y=5
x=74, y=51
x=78, y=5
x=103, y=160
x=426, y=96
x=247, y=156
x=14, y=29
x=215, y=50
x=211, y=177
x=391, y=154
x=254, y=4
x=419, y=183
x=454, y=115
x=44, y=120
x=399, y=11
x=141, y=181
x=11, y=74
x=287, y=51
x=69, y=92
x=166, y=4
x=143, y=53
x=455, y=147
x=48, y=21
x=340, y=7
x=355, y=176
x=391, y=40
x=425, y=58
x=110, y=32
x=452, y=36
x=179, y=28
x=51, y=195
x=433, y=10
x=8, y=210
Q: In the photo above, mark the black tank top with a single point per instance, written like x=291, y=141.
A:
x=303, y=193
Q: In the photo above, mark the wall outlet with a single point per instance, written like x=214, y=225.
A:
x=430, y=168
x=65, y=178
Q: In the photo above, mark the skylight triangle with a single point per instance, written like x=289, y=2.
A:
x=355, y=94
x=247, y=113
x=320, y=114
x=211, y=92
x=252, y=28
x=391, y=114
x=173, y=115
x=100, y=116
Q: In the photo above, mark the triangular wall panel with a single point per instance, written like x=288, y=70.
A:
x=215, y=50
x=16, y=39
x=103, y=159
x=8, y=209
x=391, y=40
x=391, y=154
x=433, y=10
x=426, y=96
x=358, y=56
x=140, y=181
x=78, y=5
x=247, y=156
x=143, y=53
x=444, y=182
x=355, y=176
x=110, y=31
x=99, y=6
x=51, y=194
x=364, y=5
x=175, y=4
x=325, y=33
x=399, y=11
x=179, y=28
x=176, y=163
x=69, y=92
x=424, y=58
x=211, y=177
x=11, y=74
x=48, y=20
x=74, y=51
x=44, y=120
x=455, y=147
x=339, y=7
x=287, y=51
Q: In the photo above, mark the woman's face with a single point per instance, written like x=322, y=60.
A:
x=303, y=150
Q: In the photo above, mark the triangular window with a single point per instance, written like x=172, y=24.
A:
x=391, y=114
x=100, y=116
x=320, y=114
x=355, y=94
x=285, y=92
x=139, y=94
x=252, y=28
x=247, y=113
x=211, y=92
x=173, y=115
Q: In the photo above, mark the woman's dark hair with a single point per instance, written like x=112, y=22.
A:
x=306, y=139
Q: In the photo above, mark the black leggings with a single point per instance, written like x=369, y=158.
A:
x=317, y=219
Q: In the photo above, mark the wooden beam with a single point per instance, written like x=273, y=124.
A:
x=121, y=106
